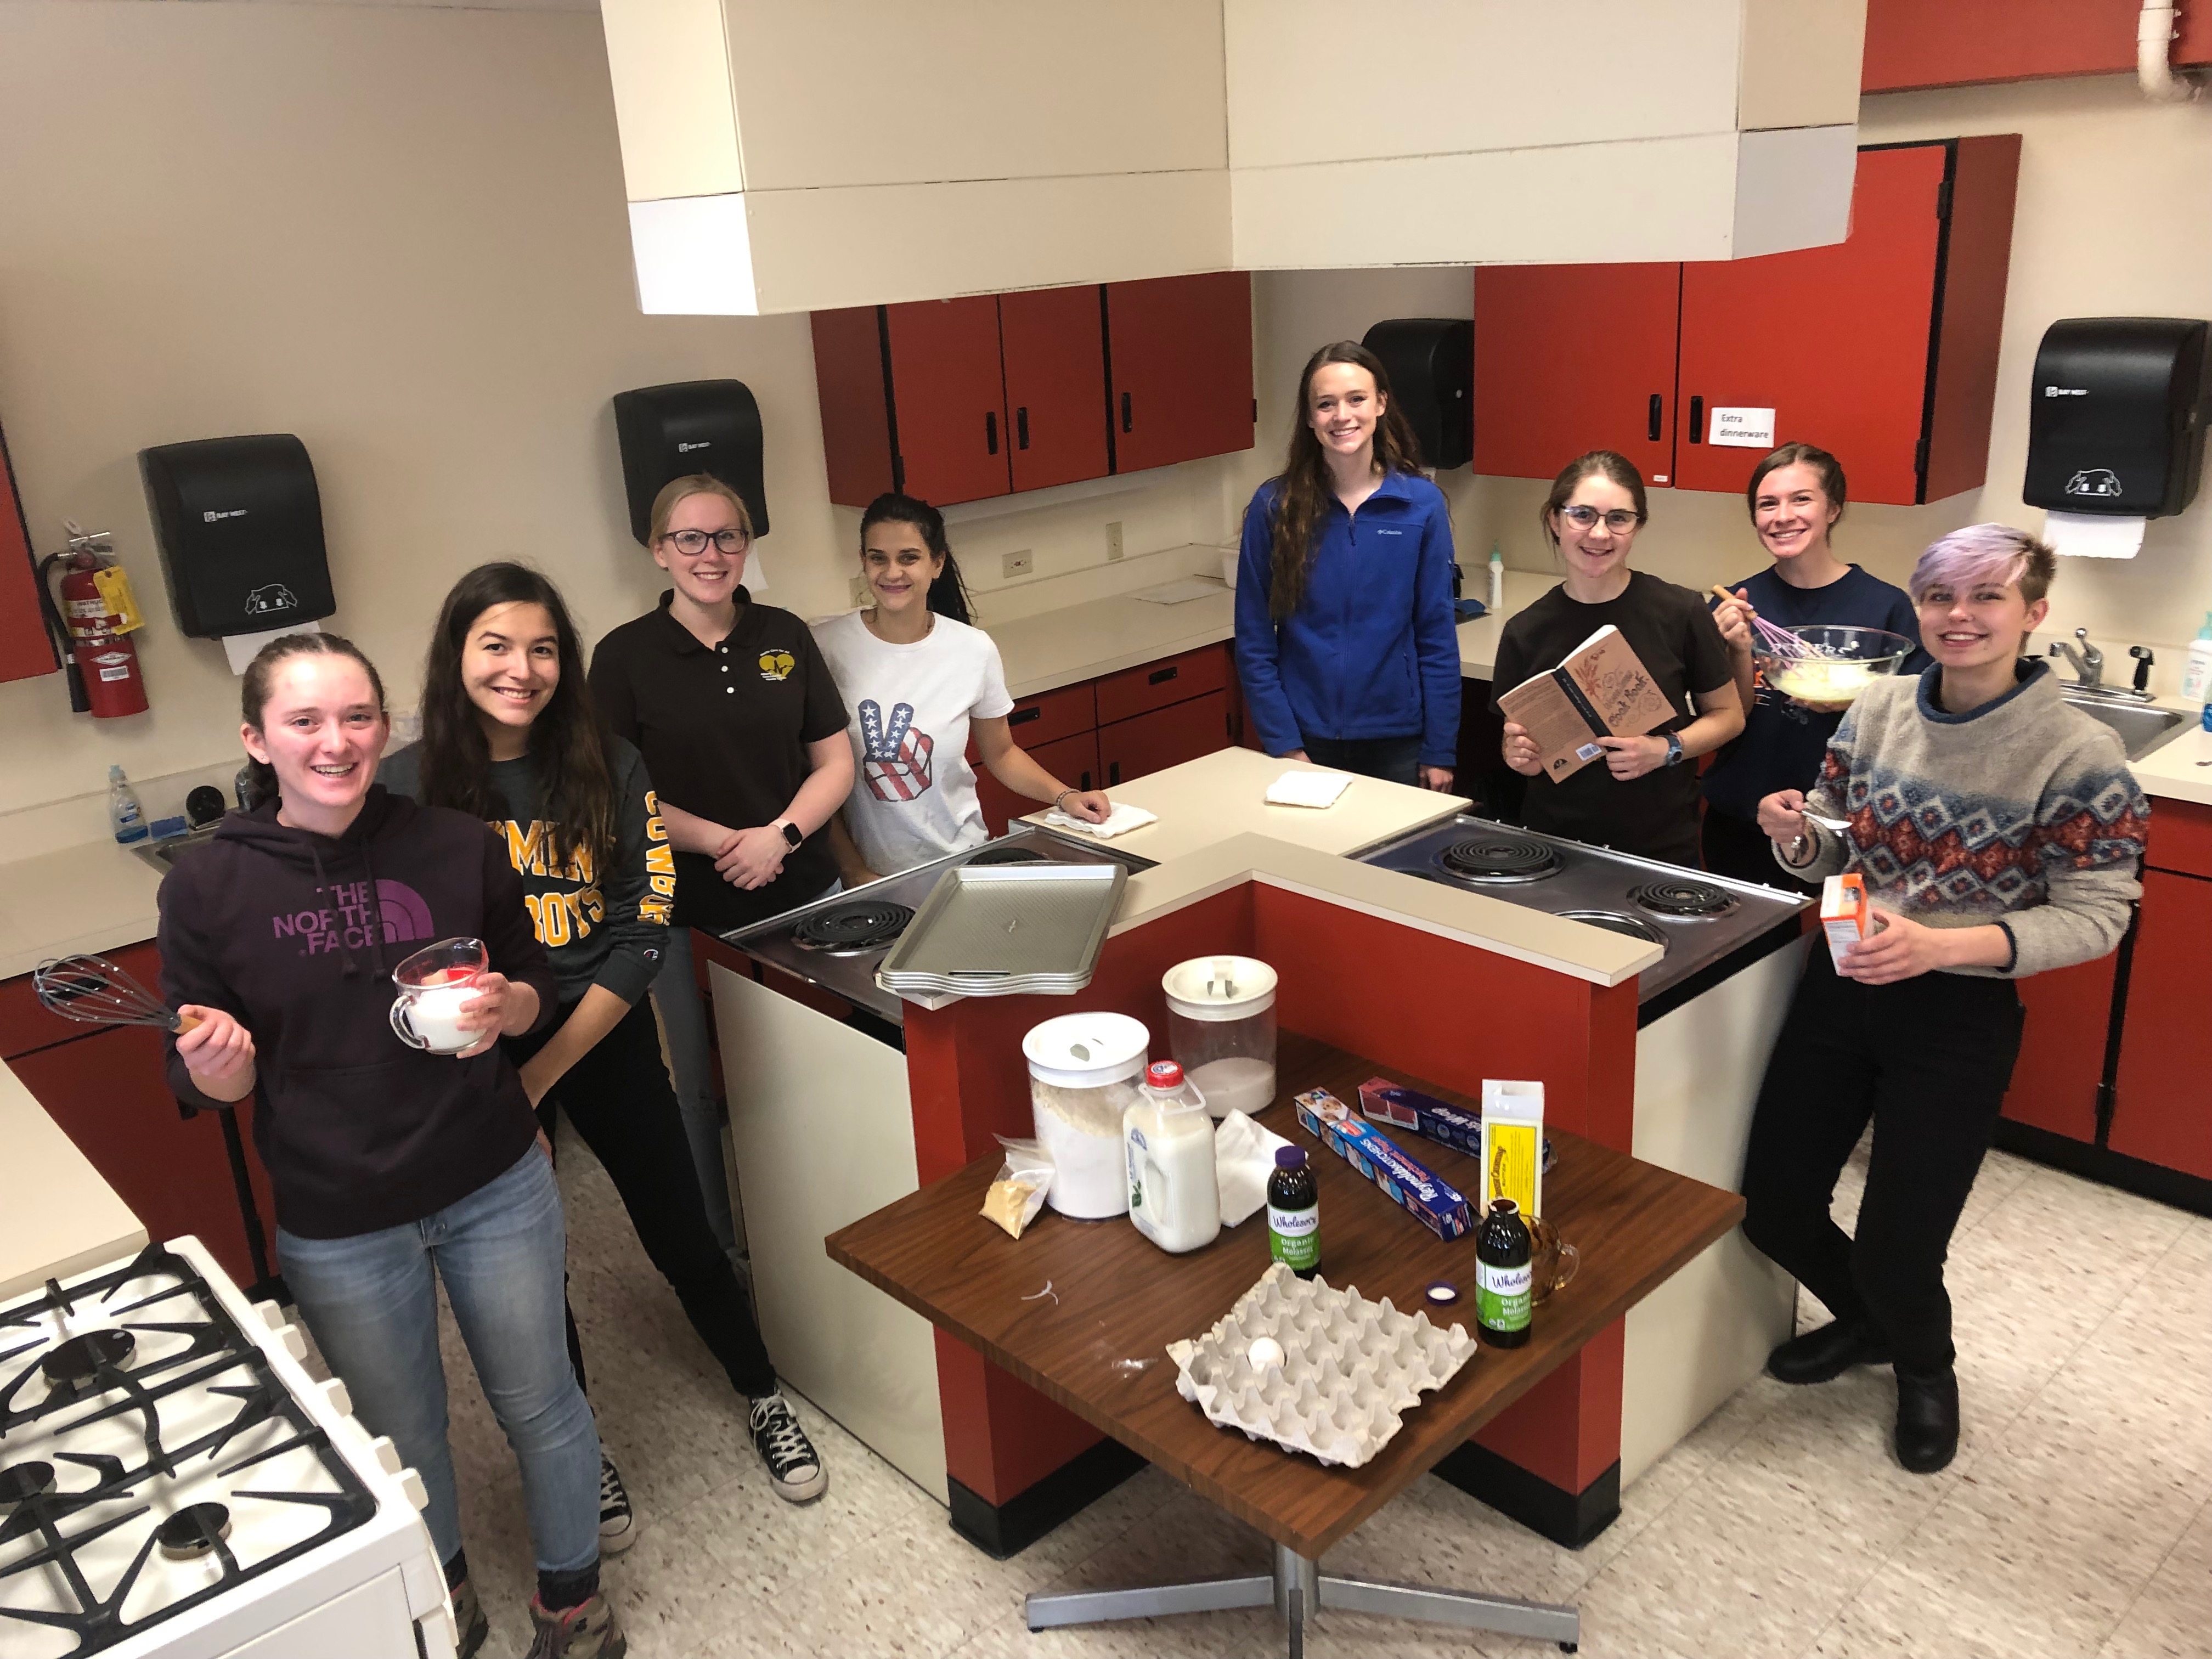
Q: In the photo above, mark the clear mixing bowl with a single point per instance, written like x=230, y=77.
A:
x=1847, y=662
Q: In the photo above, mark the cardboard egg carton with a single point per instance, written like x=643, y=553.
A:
x=1350, y=1367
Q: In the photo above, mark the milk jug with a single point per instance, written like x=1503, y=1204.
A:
x=1168, y=1138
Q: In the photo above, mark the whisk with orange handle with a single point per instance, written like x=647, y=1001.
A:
x=96, y=991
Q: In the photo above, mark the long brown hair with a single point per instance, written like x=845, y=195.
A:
x=1305, y=491
x=566, y=743
x=253, y=693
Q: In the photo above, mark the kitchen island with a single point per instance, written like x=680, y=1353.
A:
x=60, y=1218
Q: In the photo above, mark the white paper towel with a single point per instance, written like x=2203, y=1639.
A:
x=240, y=648
x=2092, y=536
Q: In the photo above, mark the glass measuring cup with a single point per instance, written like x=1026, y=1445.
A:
x=434, y=984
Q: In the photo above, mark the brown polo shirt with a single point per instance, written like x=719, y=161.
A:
x=724, y=731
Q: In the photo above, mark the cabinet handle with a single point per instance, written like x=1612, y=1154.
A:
x=1125, y=411
x=1162, y=676
x=1651, y=431
x=1022, y=716
x=1697, y=420
x=1086, y=779
x=1022, y=428
x=991, y=431
x=1113, y=772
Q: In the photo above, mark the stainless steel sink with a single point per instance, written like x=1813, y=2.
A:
x=163, y=854
x=2141, y=728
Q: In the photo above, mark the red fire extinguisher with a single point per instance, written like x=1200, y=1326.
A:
x=92, y=622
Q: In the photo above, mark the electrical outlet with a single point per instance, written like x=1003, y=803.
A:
x=1114, y=541
x=1018, y=564
x=859, y=590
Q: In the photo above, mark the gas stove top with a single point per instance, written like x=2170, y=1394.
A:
x=837, y=942
x=1701, y=920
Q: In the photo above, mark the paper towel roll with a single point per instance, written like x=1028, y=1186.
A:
x=2092, y=536
x=241, y=649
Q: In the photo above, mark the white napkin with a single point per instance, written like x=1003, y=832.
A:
x=1308, y=789
x=1119, y=822
x=1243, y=1159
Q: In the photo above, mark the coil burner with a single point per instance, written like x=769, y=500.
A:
x=851, y=930
x=1617, y=921
x=1499, y=859
x=1688, y=900
x=1009, y=855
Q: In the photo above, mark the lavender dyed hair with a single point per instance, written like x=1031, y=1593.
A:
x=1985, y=552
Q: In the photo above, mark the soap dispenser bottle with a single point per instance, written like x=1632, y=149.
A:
x=1495, y=598
x=2196, y=678
x=125, y=815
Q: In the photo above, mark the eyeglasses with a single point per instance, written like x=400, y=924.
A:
x=692, y=543
x=1621, y=521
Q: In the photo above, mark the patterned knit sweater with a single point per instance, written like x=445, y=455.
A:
x=2021, y=813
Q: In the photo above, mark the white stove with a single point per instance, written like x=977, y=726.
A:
x=172, y=1482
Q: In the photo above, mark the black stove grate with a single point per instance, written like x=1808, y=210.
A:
x=850, y=929
x=1696, y=901
x=1500, y=858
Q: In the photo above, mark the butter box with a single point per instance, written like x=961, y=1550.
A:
x=1433, y=1202
x=1845, y=916
x=1384, y=1101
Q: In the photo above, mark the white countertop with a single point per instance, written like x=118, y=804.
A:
x=60, y=1216
x=2181, y=770
x=94, y=898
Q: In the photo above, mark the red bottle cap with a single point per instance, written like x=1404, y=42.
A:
x=1163, y=1074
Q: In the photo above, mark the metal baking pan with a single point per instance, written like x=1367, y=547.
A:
x=1004, y=929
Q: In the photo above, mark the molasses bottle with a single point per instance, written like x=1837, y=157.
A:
x=1294, y=1214
x=1503, y=1279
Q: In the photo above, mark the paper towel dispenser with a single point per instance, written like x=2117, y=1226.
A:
x=238, y=523
x=692, y=426
x=1431, y=363
x=2116, y=427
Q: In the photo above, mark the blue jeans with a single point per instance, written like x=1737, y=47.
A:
x=372, y=1302
x=1393, y=760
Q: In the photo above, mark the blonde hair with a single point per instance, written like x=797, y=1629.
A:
x=677, y=491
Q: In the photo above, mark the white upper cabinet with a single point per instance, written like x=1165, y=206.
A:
x=783, y=157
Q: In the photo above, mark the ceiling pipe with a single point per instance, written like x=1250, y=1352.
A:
x=2155, y=33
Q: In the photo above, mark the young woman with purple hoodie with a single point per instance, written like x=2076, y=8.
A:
x=393, y=1168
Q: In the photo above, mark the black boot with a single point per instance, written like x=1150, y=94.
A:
x=1927, y=1420
x=1823, y=1355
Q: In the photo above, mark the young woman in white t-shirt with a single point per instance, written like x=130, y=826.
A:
x=918, y=680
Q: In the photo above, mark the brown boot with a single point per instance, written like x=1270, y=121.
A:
x=590, y=1632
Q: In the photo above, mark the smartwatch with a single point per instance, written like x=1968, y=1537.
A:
x=1674, y=748
x=792, y=839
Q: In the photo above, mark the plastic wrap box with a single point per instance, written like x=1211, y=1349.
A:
x=1385, y=1102
x=1432, y=1201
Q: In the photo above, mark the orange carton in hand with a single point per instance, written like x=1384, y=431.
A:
x=1845, y=916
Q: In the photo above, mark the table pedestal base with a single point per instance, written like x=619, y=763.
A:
x=1296, y=1589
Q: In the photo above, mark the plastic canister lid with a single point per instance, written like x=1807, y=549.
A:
x=1219, y=988
x=1086, y=1051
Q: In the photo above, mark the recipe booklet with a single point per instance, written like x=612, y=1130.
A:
x=1602, y=691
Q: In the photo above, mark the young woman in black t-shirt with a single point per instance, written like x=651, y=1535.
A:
x=1643, y=800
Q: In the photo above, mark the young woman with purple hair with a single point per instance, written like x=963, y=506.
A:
x=1998, y=832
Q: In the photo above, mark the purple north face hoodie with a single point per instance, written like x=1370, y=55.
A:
x=297, y=934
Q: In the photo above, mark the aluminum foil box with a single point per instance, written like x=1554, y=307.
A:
x=1386, y=1101
x=1432, y=1201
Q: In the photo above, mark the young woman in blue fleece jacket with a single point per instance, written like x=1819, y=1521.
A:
x=1346, y=641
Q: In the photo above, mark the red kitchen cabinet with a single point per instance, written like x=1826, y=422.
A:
x=1055, y=374
x=1911, y=43
x=1883, y=348
x=1166, y=737
x=948, y=397
x=25, y=1022
x=1179, y=365
x=1572, y=358
x=2161, y=1091
x=2061, y=1049
x=1073, y=761
x=26, y=650
x=1156, y=684
x=109, y=1093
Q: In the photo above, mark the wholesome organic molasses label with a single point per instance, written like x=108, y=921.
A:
x=1502, y=1295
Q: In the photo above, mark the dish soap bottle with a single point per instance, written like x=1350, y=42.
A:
x=123, y=813
x=1174, y=1197
x=1294, y=1214
x=2196, y=678
x=1496, y=596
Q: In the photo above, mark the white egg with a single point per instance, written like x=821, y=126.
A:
x=1265, y=1353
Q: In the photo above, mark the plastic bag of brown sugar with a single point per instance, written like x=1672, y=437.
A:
x=1018, y=1194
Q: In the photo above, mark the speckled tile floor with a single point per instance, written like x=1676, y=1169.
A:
x=2074, y=1525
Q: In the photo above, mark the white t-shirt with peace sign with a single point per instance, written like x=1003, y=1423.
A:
x=914, y=793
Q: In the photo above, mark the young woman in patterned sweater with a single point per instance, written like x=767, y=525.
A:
x=1999, y=832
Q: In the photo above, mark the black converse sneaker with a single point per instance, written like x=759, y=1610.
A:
x=617, y=1527
x=794, y=1468
x=469, y=1619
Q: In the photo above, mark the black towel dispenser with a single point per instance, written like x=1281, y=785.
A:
x=2116, y=421
x=1431, y=363
x=690, y=426
x=238, y=523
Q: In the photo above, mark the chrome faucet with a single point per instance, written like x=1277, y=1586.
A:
x=2088, y=662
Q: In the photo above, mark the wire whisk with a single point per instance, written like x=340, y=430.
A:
x=96, y=991
x=1776, y=641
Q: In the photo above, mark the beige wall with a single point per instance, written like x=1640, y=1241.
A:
x=2114, y=219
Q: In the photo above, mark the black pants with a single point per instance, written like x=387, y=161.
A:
x=1393, y=760
x=1928, y=1060
x=1733, y=848
x=619, y=1099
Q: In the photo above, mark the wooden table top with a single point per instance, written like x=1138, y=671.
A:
x=1097, y=1342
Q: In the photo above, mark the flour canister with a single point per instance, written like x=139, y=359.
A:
x=1221, y=1029
x=1085, y=1071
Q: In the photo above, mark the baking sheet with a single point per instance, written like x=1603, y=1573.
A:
x=999, y=929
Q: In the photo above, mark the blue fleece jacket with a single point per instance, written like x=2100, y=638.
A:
x=1372, y=650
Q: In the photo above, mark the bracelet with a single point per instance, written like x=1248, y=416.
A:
x=1059, y=800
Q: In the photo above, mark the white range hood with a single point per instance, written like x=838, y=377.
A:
x=792, y=157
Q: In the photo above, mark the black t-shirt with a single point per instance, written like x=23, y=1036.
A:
x=724, y=732
x=1782, y=744
x=1671, y=632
